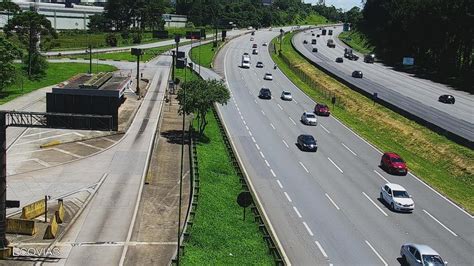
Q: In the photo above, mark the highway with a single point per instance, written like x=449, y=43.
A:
x=324, y=206
x=415, y=95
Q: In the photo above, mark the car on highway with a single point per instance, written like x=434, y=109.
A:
x=254, y=46
x=305, y=42
x=309, y=118
x=317, y=35
x=357, y=74
x=286, y=96
x=339, y=60
x=259, y=64
x=306, y=143
x=268, y=76
x=369, y=58
x=253, y=33
x=265, y=93
x=420, y=255
x=393, y=163
x=312, y=34
x=264, y=44
x=251, y=39
x=314, y=50
x=446, y=98
x=397, y=197
x=321, y=109
x=313, y=41
x=255, y=51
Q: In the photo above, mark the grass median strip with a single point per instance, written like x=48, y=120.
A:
x=56, y=73
x=219, y=236
x=204, y=54
x=443, y=164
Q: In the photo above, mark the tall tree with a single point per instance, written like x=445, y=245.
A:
x=29, y=27
x=10, y=7
x=8, y=53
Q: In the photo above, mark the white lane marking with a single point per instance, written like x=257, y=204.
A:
x=348, y=149
x=258, y=147
x=376, y=253
x=279, y=106
x=335, y=165
x=90, y=146
x=279, y=184
x=243, y=121
x=439, y=194
x=78, y=134
x=302, y=165
x=250, y=133
x=241, y=117
x=380, y=209
x=295, y=101
x=273, y=173
x=321, y=249
x=272, y=125
x=240, y=114
x=253, y=139
x=238, y=109
x=39, y=133
x=255, y=101
x=293, y=121
x=287, y=197
x=263, y=113
x=445, y=227
x=308, y=229
x=68, y=153
x=325, y=129
x=261, y=154
x=36, y=140
x=381, y=176
x=286, y=144
x=297, y=212
x=246, y=127
x=333, y=203
x=266, y=162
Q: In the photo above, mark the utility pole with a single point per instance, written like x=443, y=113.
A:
x=281, y=38
x=90, y=59
x=176, y=39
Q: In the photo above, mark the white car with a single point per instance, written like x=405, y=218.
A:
x=251, y=39
x=268, y=76
x=397, y=197
x=420, y=255
x=309, y=118
x=286, y=96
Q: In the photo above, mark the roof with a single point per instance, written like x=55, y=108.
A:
x=101, y=84
x=394, y=186
x=392, y=154
x=424, y=249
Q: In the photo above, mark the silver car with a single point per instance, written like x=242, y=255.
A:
x=286, y=96
x=309, y=119
x=268, y=76
x=420, y=255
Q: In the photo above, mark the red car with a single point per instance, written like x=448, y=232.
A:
x=393, y=163
x=321, y=109
x=254, y=45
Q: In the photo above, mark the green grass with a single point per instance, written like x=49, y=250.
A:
x=190, y=75
x=56, y=73
x=443, y=164
x=219, y=236
x=311, y=19
x=204, y=54
x=357, y=41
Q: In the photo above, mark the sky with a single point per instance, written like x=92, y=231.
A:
x=344, y=4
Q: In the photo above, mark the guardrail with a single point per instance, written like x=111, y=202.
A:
x=263, y=224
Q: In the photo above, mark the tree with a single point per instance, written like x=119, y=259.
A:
x=10, y=7
x=8, y=53
x=200, y=96
x=29, y=26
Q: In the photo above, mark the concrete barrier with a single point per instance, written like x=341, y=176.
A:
x=60, y=212
x=33, y=210
x=52, y=229
x=21, y=226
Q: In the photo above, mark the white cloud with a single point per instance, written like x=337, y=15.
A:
x=344, y=4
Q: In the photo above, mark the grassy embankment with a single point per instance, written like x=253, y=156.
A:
x=311, y=19
x=56, y=73
x=443, y=164
x=203, y=55
x=357, y=41
x=219, y=236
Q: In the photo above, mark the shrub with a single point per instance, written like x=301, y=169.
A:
x=111, y=39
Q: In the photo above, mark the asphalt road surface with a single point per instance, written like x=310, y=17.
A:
x=414, y=95
x=324, y=206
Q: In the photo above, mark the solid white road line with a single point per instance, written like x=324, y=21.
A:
x=381, y=176
x=308, y=229
x=376, y=253
x=272, y=125
x=43, y=132
x=335, y=165
x=297, y=212
x=293, y=121
x=325, y=129
x=253, y=139
x=286, y=144
x=266, y=162
x=380, y=209
x=333, y=203
x=279, y=106
x=273, y=173
x=445, y=227
x=287, y=197
x=348, y=149
x=261, y=154
x=258, y=147
x=250, y=133
x=279, y=183
x=302, y=165
x=321, y=249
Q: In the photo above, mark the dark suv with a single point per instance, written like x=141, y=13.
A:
x=321, y=109
x=393, y=164
x=447, y=99
x=357, y=74
x=307, y=143
x=265, y=93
